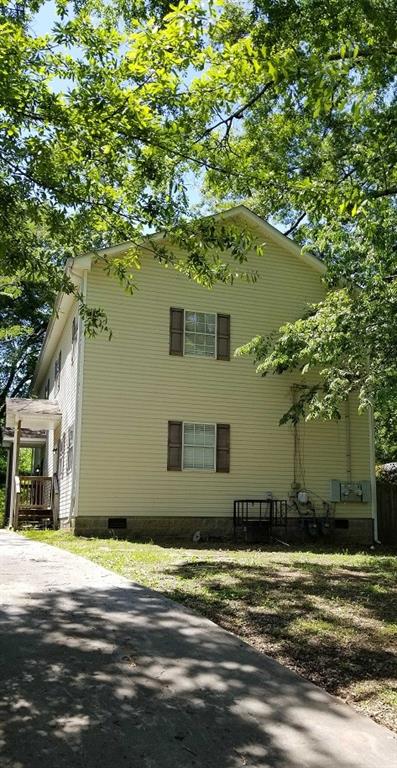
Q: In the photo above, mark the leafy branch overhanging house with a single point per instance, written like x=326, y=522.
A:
x=162, y=431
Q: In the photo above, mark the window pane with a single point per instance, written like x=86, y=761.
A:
x=189, y=434
x=188, y=458
x=199, y=446
x=200, y=329
x=210, y=345
x=209, y=435
x=200, y=322
x=208, y=458
x=190, y=321
x=199, y=434
x=189, y=343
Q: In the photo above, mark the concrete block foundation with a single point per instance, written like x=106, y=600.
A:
x=356, y=531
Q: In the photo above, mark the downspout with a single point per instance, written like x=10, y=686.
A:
x=79, y=403
x=295, y=442
x=374, y=500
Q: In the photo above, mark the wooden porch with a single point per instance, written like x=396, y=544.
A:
x=34, y=502
x=31, y=497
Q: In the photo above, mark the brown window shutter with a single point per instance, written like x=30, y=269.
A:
x=174, y=461
x=176, y=331
x=223, y=447
x=223, y=337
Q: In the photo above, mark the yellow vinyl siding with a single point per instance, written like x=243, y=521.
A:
x=132, y=387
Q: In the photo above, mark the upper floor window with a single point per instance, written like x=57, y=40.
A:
x=75, y=328
x=199, y=334
x=57, y=372
x=47, y=390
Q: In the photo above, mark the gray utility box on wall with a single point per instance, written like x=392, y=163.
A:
x=344, y=490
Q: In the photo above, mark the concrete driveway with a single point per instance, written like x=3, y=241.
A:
x=99, y=672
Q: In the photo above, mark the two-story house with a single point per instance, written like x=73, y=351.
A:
x=160, y=430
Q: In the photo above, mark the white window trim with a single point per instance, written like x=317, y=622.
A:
x=75, y=327
x=61, y=456
x=69, y=449
x=200, y=357
x=198, y=469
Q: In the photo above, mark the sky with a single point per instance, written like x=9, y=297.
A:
x=44, y=19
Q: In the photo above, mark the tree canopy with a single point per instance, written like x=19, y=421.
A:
x=314, y=145
x=289, y=107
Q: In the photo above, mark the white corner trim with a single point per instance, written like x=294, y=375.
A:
x=78, y=410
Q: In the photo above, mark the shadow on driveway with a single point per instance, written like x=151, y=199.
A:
x=106, y=673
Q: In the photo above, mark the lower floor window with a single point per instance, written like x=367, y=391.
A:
x=199, y=441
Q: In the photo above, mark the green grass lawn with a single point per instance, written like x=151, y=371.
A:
x=331, y=616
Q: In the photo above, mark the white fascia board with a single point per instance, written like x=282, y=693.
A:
x=55, y=328
x=81, y=264
x=275, y=235
x=239, y=212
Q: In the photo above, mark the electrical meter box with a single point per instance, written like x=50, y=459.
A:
x=343, y=490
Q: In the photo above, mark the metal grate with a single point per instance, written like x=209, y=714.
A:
x=271, y=513
x=117, y=523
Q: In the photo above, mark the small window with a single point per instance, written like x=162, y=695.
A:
x=61, y=456
x=57, y=372
x=47, y=390
x=199, y=446
x=200, y=334
x=75, y=328
x=69, y=456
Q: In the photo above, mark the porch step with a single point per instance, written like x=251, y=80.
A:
x=37, y=519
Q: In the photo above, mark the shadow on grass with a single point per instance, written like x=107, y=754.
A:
x=320, y=547
x=334, y=624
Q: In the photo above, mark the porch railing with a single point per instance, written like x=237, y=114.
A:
x=33, y=501
x=35, y=492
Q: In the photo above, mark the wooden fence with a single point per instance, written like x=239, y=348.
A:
x=387, y=512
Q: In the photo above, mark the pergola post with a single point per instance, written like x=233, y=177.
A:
x=14, y=469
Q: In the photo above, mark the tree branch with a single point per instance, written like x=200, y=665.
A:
x=295, y=224
x=238, y=113
x=388, y=192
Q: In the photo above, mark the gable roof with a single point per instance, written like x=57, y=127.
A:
x=242, y=214
x=80, y=264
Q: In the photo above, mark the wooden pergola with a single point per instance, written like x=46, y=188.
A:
x=28, y=422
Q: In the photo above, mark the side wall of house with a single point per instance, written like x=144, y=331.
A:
x=66, y=398
x=133, y=386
